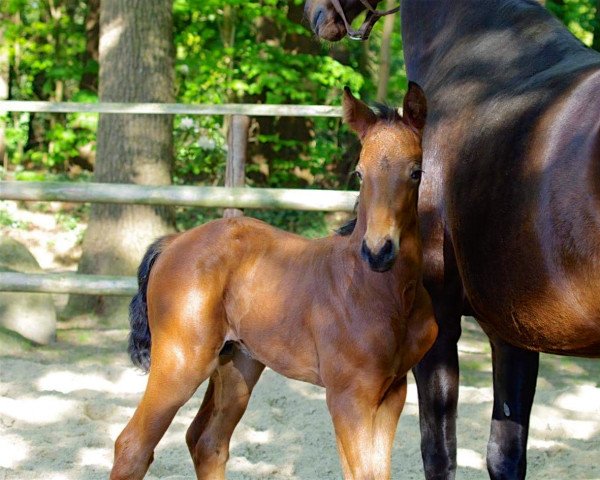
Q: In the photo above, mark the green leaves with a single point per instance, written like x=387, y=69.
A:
x=579, y=16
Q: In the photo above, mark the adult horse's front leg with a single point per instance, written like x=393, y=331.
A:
x=515, y=376
x=437, y=385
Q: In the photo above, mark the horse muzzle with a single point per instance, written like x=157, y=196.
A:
x=382, y=260
x=324, y=21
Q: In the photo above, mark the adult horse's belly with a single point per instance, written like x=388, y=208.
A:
x=532, y=288
x=532, y=274
x=554, y=322
x=523, y=210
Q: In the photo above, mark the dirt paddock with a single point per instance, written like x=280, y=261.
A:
x=61, y=408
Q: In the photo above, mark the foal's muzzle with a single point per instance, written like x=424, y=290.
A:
x=380, y=261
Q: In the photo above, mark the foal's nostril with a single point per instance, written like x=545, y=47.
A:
x=317, y=18
x=387, y=249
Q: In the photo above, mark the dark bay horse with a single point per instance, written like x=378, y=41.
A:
x=349, y=313
x=510, y=206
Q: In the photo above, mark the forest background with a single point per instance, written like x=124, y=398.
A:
x=212, y=51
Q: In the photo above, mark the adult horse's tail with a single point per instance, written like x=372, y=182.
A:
x=140, y=339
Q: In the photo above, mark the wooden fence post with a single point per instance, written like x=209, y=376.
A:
x=235, y=170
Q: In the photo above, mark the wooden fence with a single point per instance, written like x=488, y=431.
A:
x=249, y=109
x=232, y=196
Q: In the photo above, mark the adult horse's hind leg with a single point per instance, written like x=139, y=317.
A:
x=224, y=404
x=437, y=384
x=515, y=376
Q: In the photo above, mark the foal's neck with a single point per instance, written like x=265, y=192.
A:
x=360, y=228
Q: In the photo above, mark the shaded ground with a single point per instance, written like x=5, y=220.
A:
x=61, y=408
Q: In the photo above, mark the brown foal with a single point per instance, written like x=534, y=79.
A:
x=348, y=313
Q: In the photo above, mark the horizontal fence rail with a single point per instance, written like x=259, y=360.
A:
x=253, y=110
x=190, y=196
x=67, y=283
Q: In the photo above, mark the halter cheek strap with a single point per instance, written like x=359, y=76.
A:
x=365, y=29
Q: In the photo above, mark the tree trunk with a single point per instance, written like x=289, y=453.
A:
x=136, y=65
x=89, y=79
x=385, y=56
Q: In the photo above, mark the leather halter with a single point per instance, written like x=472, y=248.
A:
x=365, y=29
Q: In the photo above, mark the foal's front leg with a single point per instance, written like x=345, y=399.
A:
x=365, y=427
x=386, y=423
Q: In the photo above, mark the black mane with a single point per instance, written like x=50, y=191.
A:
x=386, y=113
x=347, y=228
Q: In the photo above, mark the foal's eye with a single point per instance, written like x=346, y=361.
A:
x=358, y=175
x=416, y=175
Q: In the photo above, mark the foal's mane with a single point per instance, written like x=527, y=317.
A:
x=384, y=113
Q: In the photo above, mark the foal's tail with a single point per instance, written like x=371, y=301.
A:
x=139, y=338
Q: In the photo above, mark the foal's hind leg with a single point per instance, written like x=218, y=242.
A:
x=182, y=358
x=224, y=404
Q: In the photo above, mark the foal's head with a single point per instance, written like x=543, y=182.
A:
x=390, y=171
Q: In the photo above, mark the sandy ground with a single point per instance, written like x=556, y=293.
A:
x=62, y=406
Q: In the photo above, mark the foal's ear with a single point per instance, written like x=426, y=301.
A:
x=415, y=108
x=357, y=114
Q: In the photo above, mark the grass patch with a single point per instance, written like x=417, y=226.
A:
x=7, y=220
x=11, y=343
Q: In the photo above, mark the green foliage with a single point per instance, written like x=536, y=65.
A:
x=252, y=51
x=308, y=224
x=72, y=219
x=579, y=16
x=47, y=45
x=7, y=220
x=219, y=60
